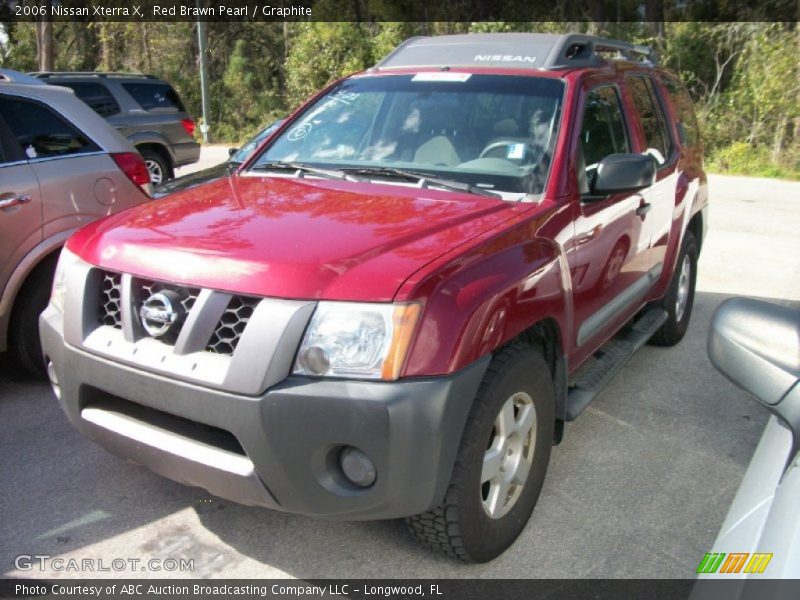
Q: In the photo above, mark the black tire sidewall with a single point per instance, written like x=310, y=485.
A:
x=673, y=329
x=485, y=538
x=25, y=344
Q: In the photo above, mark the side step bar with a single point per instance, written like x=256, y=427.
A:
x=610, y=358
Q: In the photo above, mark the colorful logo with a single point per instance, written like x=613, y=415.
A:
x=734, y=562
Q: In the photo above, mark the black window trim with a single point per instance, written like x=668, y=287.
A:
x=59, y=114
x=659, y=104
x=614, y=85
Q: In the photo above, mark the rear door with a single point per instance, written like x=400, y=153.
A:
x=20, y=204
x=655, y=139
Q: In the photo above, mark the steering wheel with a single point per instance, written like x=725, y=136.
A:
x=528, y=151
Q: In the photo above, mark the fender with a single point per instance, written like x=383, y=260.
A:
x=691, y=196
x=152, y=137
x=20, y=274
x=488, y=296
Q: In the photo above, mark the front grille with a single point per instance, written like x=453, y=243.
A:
x=148, y=288
x=226, y=334
x=231, y=325
x=110, y=299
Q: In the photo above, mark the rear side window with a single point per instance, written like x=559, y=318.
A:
x=96, y=96
x=40, y=132
x=687, y=121
x=651, y=115
x=153, y=96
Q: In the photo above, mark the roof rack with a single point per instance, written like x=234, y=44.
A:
x=52, y=74
x=9, y=76
x=517, y=50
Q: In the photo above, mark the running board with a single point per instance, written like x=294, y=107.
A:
x=609, y=359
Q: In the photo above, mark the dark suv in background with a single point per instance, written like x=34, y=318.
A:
x=143, y=108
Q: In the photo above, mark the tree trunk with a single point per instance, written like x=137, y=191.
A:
x=44, y=45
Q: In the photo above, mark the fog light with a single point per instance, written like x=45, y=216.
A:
x=315, y=360
x=51, y=374
x=357, y=467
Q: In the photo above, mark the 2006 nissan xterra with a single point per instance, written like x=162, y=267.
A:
x=394, y=306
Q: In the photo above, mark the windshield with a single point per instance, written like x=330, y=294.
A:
x=495, y=132
x=243, y=153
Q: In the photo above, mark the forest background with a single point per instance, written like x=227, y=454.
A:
x=742, y=76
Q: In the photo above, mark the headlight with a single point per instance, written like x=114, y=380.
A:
x=65, y=261
x=365, y=341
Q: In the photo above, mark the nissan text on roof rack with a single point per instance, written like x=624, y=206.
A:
x=397, y=302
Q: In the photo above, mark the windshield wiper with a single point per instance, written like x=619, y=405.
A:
x=301, y=168
x=456, y=186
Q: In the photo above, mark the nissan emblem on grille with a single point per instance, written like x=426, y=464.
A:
x=160, y=312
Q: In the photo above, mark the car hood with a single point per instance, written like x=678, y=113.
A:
x=290, y=238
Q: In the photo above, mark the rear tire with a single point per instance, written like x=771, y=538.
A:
x=23, y=331
x=481, y=516
x=680, y=297
x=157, y=166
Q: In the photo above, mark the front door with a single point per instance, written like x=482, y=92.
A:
x=20, y=206
x=613, y=271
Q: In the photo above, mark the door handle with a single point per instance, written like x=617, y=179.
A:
x=644, y=208
x=14, y=201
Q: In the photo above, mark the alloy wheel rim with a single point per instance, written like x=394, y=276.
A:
x=682, y=297
x=154, y=169
x=509, y=455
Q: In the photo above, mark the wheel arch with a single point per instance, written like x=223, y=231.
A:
x=27, y=268
x=545, y=337
x=161, y=149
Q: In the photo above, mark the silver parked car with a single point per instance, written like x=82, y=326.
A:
x=756, y=345
x=61, y=167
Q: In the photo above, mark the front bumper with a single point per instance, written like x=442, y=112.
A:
x=278, y=449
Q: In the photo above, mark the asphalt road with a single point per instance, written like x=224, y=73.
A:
x=638, y=488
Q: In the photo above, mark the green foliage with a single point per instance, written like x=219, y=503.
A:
x=743, y=77
x=743, y=159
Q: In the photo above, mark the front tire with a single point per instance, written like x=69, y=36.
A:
x=501, y=463
x=24, y=343
x=680, y=297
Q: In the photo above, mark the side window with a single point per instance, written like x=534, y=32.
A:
x=602, y=132
x=96, y=95
x=40, y=132
x=687, y=121
x=151, y=96
x=651, y=115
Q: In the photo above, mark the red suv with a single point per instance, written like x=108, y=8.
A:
x=394, y=306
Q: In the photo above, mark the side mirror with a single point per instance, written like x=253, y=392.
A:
x=756, y=345
x=618, y=173
x=232, y=151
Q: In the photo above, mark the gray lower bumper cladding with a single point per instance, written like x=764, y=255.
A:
x=278, y=449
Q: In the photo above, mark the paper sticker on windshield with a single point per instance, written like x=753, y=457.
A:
x=516, y=150
x=441, y=76
x=299, y=132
